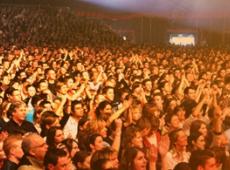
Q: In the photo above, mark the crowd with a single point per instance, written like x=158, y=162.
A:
x=120, y=107
x=48, y=25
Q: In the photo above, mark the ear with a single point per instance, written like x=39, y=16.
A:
x=193, y=142
x=200, y=167
x=79, y=164
x=11, y=152
x=47, y=126
x=50, y=167
x=91, y=146
x=31, y=152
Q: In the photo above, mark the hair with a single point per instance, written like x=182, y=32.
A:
x=96, y=126
x=74, y=103
x=134, y=86
x=69, y=143
x=91, y=139
x=80, y=157
x=9, y=143
x=129, y=134
x=99, y=158
x=155, y=123
x=27, y=142
x=173, y=137
x=149, y=109
x=199, y=158
x=52, y=155
x=44, y=102
x=127, y=161
x=186, y=90
x=226, y=122
x=59, y=85
x=182, y=166
x=50, y=138
x=168, y=118
x=100, y=107
x=193, y=137
x=195, y=126
x=144, y=123
x=13, y=107
x=47, y=118
x=145, y=81
x=178, y=108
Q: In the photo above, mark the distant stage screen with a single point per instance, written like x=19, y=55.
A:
x=182, y=39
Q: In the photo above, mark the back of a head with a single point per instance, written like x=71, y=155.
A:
x=182, y=166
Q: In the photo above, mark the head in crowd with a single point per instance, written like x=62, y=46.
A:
x=71, y=146
x=172, y=121
x=104, y=159
x=54, y=136
x=134, y=158
x=196, y=141
x=77, y=109
x=178, y=140
x=109, y=94
x=82, y=160
x=95, y=142
x=133, y=137
x=103, y=110
x=182, y=166
x=48, y=119
x=57, y=159
x=34, y=145
x=203, y=160
x=17, y=112
x=199, y=126
x=12, y=147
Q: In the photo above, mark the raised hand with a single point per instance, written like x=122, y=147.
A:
x=164, y=145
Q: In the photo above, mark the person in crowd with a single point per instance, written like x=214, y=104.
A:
x=54, y=137
x=57, y=159
x=178, y=149
x=82, y=160
x=34, y=148
x=134, y=158
x=70, y=122
x=17, y=123
x=199, y=126
x=196, y=141
x=203, y=159
x=12, y=147
x=48, y=119
x=104, y=159
x=72, y=146
x=78, y=74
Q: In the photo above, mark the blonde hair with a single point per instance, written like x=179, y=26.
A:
x=9, y=143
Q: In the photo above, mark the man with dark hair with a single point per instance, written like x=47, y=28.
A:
x=70, y=122
x=203, y=160
x=57, y=159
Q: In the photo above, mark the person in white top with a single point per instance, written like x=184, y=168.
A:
x=71, y=126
